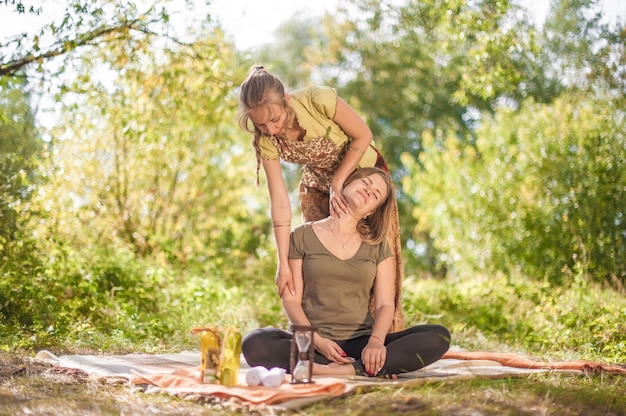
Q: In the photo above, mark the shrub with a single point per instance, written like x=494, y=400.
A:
x=542, y=192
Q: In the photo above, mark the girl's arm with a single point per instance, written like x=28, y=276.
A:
x=354, y=126
x=292, y=303
x=281, y=219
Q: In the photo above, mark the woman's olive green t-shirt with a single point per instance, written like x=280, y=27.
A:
x=336, y=292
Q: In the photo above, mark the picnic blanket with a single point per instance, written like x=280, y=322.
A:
x=179, y=374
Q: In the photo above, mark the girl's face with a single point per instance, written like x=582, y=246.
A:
x=366, y=194
x=270, y=119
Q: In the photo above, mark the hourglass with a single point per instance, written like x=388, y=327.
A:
x=302, y=351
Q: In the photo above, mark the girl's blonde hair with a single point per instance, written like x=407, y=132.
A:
x=261, y=88
x=375, y=227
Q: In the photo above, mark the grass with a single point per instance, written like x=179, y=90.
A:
x=42, y=390
x=545, y=394
x=512, y=314
x=538, y=394
x=499, y=313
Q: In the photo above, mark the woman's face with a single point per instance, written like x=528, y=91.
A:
x=270, y=118
x=366, y=194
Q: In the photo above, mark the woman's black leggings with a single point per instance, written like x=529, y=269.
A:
x=407, y=350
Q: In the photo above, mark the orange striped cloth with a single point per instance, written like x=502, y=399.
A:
x=517, y=361
x=186, y=381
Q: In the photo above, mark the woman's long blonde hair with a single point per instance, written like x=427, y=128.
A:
x=261, y=88
x=375, y=227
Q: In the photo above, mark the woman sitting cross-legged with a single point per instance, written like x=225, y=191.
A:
x=338, y=263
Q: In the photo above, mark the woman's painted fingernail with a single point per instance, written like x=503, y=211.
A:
x=343, y=354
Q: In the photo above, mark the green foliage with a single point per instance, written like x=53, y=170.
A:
x=541, y=191
x=287, y=54
x=573, y=33
x=433, y=65
x=576, y=320
x=111, y=301
x=82, y=24
x=217, y=300
x=67, y=293
x=22, y=8
x=607, y=73
x=150, y=223
x=434, y=68
x=430, y=65
x=20, y=259
x=152, y=153
x=19, y=152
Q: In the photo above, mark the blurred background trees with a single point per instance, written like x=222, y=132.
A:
x=438, y=74
x=20, y=150
x=505, y=138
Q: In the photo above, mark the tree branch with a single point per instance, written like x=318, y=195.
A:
x=85, y=39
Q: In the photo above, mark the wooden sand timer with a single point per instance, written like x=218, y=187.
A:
x=302, y=354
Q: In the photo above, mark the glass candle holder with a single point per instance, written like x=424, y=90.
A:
x=210, y=351
x=230, y=356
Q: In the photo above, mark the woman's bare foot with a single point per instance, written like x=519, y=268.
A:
x=333, y=369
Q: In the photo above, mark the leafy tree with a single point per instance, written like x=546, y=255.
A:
x=573, y=29
x=415, y=67
x=152, y=158
x=584, y=50
x=149, y=182
x=86, y=23
x=435, y=69
x=20, y=153
x=434, y=65
x=610, y=72
x=20, y=149
x=541, y=193
x=287, y=53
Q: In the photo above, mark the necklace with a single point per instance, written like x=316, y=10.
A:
x=343, y=245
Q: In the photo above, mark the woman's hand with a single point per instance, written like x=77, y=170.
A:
x=284, y=280
x=374, y=356
x=331, y=350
